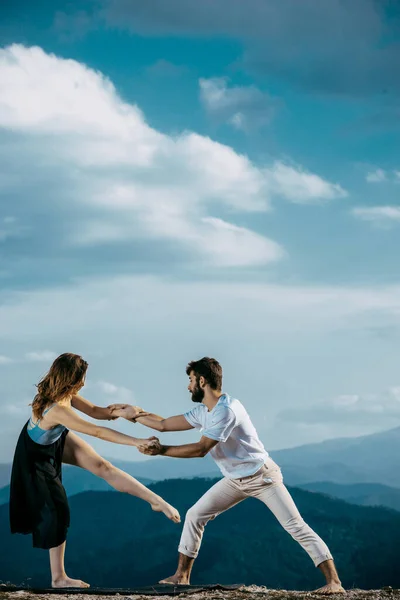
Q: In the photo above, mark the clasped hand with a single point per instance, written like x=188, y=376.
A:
x=151, y=446
x=127, y=411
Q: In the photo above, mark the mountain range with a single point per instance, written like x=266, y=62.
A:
x=364, y=494
x=373, y=458
x=363, y=470
x=116, y=541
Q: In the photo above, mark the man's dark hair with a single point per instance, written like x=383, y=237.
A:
x=209, y=368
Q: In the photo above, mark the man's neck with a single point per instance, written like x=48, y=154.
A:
x=211, y=398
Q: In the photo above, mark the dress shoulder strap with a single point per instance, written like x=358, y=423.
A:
x=47, y=409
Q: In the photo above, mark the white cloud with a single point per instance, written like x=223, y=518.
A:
x=43, y=356
x=226, y=241
x=244, y=107
x=380, y=175
x=115, y=394
x=17, y=409
x=107, y=388
x=378, y=214
x=5, y=360
x=346, y=401
x=382, y=410
x=300, y=187
x=165, y=68
x=121, y=305
x=376, y=176
x=128, y=181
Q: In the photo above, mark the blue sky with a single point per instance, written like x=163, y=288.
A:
x=222, y=178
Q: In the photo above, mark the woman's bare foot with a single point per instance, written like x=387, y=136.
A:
x=67, y=582
x=331, y=588
x=176, y=580
x=169, y=511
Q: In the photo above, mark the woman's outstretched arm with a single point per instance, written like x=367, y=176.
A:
x=135, y=413
x=66, y=416
x=102, y=413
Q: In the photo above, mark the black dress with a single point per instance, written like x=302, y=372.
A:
x=38, y=502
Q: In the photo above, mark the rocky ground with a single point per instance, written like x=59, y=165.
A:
x=245, y=593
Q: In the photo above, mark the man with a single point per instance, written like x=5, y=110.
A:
x=230, y=437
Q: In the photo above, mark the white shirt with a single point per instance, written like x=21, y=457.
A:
x=240, y=452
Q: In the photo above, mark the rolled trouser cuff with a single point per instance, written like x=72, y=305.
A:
x=183, y=550
x=322, y=558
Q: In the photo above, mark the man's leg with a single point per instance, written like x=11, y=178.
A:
x=183, y=571
x=333, y=583
x=223, y=495
x=275, y=495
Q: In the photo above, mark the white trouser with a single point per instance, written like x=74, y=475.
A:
x=266, y=485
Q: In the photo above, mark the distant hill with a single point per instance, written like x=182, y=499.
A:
x=116, y=541
x=76, y=481
x=365, y=494
x=152, y=469
x=367, y=459
x=5, y=473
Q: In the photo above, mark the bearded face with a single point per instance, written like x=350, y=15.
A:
x=195, y=390
x=197, y=393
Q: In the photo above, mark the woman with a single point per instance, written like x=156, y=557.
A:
x=38, y=502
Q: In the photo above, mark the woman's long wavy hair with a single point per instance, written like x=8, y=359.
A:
x=64, y=378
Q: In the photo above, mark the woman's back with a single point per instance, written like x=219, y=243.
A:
x=41, y=431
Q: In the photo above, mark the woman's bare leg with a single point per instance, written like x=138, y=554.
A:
x=59, y=578
x=79, y=453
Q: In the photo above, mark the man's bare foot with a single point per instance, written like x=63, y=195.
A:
x=176, y=580
x=169, y=511
x=67, y=582
x=331, y=588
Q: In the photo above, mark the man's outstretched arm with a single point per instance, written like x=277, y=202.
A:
x=197, y=450
x=133, y=413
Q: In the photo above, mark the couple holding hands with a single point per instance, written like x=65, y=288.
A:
x=38, y=502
